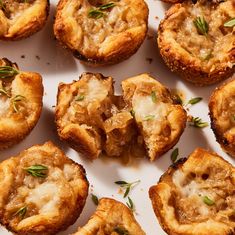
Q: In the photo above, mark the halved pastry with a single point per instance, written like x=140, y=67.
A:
x=222, y=114
x=111, y=217
x=197, y=41
x=91, y=119
x=20, y=102
x=101, y=32
x=41, y=191
x=22, y=18
x=196, y=196
x=160, y=120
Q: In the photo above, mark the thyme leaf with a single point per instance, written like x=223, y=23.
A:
x=174, y=155
x=153, y=96
x=230, y=23
x=121, y=231
x=127, y=186
x=80, y=98
x=201, y=25
x=132, y=113
x=107, y=6
x=197, y=122
x=208, y=201
x=149, y=117
x=37, y=171
x=21, y=212
x=195, y=100
x=8, y=72
x=95, y=199
x=15, y=100
x=130, y=204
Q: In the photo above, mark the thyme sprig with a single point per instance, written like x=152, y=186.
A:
x=230, y=23
x=127, y=186
x=197, y=122
x=15, y=101
x=97, y=13
x=121, y=231
x=8, y=72
x=130, y=204
x=37, y=171
x=21, y=212
x=201, y=25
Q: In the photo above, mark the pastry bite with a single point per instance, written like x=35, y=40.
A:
x=196, y=196
x=21, y=96
x=111, y=217
x=160, y=120
x=222, y=115
x=42, y=191
x=91, y=119
x=196, y=40
x=21, y=18
x=101, y=32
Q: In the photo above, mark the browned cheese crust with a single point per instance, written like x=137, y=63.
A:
x=200, y=59
x=159, y=119
x=222, y=114
x=18, y=116
x=109, y=39
x=32, y=205
x=112, y=218
x=92, y=119
x=20, y=19
x=196, y=196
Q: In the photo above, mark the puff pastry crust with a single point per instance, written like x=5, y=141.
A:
x=22, y=18
x=31, y=205
x=196, y=196
x=222, y=114
x=111, y=217
x=93, y=120
x=20, y=104
x=199, y=58
x=108, y=39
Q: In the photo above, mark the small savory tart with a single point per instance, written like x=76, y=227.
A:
x=20, y=102
x=197, y=40
x=101, y=32
x=196, y=196
x=22, y=18
x=222, y=114
x=111, y=217
x=159, y=119
x=41, y=191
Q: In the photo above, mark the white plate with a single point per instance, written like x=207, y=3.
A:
x=58, y=65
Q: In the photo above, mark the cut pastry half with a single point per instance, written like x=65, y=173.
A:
x=21, y=96
x=41, y=191
x=22, y=18
x=101, y=32
x=196, y=40
x=160, y=120
x=196, y=196
x=222, y=115
x=111, y=217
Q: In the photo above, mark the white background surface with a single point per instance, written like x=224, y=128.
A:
x=58, y=65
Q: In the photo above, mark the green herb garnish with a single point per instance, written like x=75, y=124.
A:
x=195, y=100
x=127, y=186
x=21, y=212
x=8, y=72
x=37, y=171
x=208, y=201
x=233, y=117
x=121, y=231
x=197, y=122
x=230, y=23
x=130, y=204
x=201, y=25
x=97, y=13
x=15, y=100
x=4, y=92
x=153, y=96
x=132, y=113
x=95, y=199
x=149, y=117
x=174, y=155
x=80, y=98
